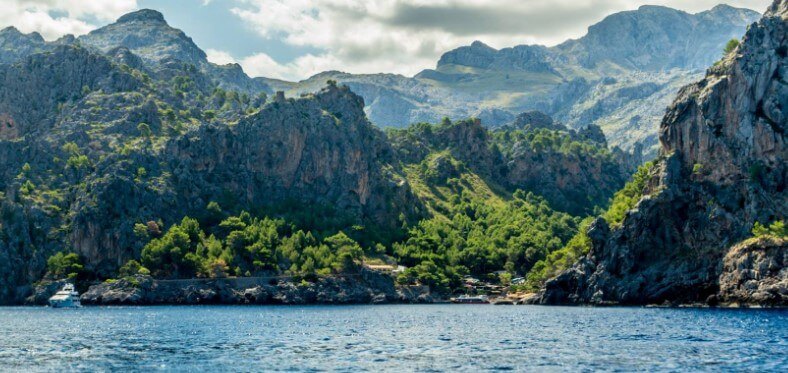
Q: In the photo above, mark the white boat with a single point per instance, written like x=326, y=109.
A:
x=68, y=297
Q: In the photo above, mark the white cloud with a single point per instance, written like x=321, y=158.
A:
x=362, y=36
x=219, y=57
x=36, y=15
x=261, y=64
x=406, y=36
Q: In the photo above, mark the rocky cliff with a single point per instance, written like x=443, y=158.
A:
x=364, y=287
x=723, y=169
x=573, y=170
x=81, y=129
x=620, y=76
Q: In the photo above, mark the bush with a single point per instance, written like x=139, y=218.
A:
x=131, y=268
x=61, y=266
x=731, y=46
x=776, y=229
x=626, y=198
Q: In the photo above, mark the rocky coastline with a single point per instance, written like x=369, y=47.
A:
x=722, y=171
x=365, y=287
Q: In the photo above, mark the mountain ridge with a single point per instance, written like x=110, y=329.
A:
x=570, y=81
x=721, y=175
x=584, y=81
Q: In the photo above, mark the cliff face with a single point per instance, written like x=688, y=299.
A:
x=724, y=169
x=362, y=288
x=90, y=147
x=620, y=76
x=573, y=170
x=319, y=149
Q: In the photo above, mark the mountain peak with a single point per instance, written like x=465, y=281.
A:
x=10, y=30
x=15, y=33
x=143, y=15
x=721, y=7
x=480, y=45
x=656, y=8
x=146, y=34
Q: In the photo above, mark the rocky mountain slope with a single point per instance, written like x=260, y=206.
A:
x=91, y=146
x=109, y=141
x=723, y=169
x=620, y=76
x=613, y=77
x=574, y=171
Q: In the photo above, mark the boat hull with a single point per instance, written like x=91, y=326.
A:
x=65, y=304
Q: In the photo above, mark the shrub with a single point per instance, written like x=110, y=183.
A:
x=776, y=229
x=131, y=268
x=144, y=130
x=731, y=46
x=62, y=265
x=626, y=198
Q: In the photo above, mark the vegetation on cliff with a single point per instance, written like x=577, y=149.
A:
x=623, y=201
x=128, y=159
x=246, y=246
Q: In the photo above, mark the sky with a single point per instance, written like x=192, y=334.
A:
x=295, y=39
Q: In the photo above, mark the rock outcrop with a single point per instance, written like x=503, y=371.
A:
x=573, y=170
x=365, y=287
x=14, y=45
x=146, y=34
x=755, y=272
x=723, y=169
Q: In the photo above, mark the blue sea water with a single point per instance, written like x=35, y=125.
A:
x=391, y=338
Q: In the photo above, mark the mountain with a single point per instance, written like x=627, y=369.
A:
x=84, y=131
x=146, y=34
x=156, y=45
x=120, y=148
x=127, y=155
x=15, y=45
x=719, y=181
x=621, y=75
x=656, y=38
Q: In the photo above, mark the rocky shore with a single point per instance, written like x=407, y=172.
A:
x=366, y=287
x=722, y=171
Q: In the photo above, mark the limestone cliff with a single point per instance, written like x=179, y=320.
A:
x=91, y=146
x=723, y=169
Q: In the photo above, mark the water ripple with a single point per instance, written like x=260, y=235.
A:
x=391, y=338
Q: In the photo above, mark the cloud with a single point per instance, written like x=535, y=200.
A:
x=219, y=57
x=262, y=64
x=406, y=36
x=520, y=18
x=55, y=18
x=351, y=35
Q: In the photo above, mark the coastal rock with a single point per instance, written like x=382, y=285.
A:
x=723, y=169
x=755, y=272
x=45, y=290
x=362, y=288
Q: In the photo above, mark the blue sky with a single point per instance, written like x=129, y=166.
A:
x=294, y=39
x=212, y=25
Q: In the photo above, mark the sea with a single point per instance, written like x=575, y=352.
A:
x=391, y=338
